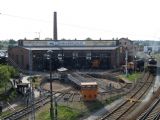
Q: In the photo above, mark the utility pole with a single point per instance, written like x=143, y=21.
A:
x=31, y=95
x=126, y=59
x=51, y=88
x=56, y=112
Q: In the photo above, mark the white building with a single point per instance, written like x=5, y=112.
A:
x=151, y=49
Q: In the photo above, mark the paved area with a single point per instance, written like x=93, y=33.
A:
x=154, y=88
x=10, y=107
x=104, y=110
x=36, y=93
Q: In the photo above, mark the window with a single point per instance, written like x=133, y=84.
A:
x=59, y=56
x=75, y=55
x=88, y=56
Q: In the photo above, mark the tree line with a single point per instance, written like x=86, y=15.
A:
x=6, y=73
x=4, y=44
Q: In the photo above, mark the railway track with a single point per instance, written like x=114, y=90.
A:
x=131, y=102
x=43, y=100
x=152, y=113
x=22, y=112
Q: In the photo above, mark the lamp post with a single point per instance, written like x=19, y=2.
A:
x=51, y=88
x=135, y=64
x=126, y=59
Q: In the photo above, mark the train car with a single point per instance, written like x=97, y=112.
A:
x=139, y=65
x=130, y=67
x=89, y=91
x=95, y=63
x=152, y=65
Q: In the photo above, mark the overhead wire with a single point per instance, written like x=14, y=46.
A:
x=66, y=24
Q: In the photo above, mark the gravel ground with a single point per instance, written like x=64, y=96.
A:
x=57, y=86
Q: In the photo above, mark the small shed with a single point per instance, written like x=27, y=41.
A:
x=63, y=75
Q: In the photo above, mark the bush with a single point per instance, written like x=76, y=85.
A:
x=6, y=72
x=9, y=95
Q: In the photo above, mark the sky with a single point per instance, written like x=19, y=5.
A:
x=80, y=19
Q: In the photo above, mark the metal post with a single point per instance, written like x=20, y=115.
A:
x=50, y=67
x=55, y=112
x=62, y=58
x=32, y=117
x=126, y=58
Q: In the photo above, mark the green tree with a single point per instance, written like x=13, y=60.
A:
x=1, y=46
x=4, y=76
x=11, y=42
x=13, y=72
x=7, y=72
x=88, y=38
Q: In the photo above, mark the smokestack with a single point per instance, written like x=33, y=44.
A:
x=55, y=26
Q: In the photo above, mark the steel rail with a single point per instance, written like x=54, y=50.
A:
x=23, y=112
x=134, y=103
x=137, y=89
x=150, y=110
x=38, y=104
x=157, y=117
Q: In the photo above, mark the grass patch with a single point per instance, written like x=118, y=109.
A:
x=131, y=77
x=9, y=95
x=112, y=98
x=3, y=114
x=64, y=113
x=8, y=112
x=67, y=113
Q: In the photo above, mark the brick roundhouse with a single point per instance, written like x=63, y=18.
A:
x=72, y=54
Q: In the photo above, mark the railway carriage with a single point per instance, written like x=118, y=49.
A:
x=139, y=64
x=89, y=91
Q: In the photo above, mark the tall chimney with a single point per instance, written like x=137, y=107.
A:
x=55, y=26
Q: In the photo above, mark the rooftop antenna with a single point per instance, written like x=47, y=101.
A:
x=55, y=26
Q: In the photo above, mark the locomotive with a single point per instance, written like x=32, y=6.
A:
x=139, y=65
x=152, y=65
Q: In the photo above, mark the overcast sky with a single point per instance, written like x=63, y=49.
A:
x=105, y=19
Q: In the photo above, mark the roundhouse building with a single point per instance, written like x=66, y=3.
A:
x=72, y=54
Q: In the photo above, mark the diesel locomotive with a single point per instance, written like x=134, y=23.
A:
x=152, y=65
